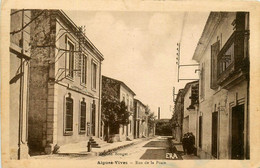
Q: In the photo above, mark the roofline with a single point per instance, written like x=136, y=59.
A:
x=208, y=31
x=65, y=16
x=187, y=86
x=162, y=119
x=140, y=102
x=122, y=83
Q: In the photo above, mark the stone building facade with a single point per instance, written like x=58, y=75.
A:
x=223, y=55
x=65, y=83
x=121, y=92
x=19, y=84
x=140, y=120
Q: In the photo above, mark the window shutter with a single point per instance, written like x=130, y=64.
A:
x=214, y=54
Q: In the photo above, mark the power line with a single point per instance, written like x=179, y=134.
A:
x=183, y=24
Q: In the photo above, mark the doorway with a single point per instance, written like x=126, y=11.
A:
x=237, y=146
x=93, y=118
x=138, y=127
x=214, y=149
x=200, y=131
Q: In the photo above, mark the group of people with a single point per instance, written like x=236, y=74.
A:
x=188, y=143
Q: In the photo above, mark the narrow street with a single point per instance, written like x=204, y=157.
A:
x=153, y=149
x=157, y=148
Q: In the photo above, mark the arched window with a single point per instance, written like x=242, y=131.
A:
x=82, y=127
x=69, y=115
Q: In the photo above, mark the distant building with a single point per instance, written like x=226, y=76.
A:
x=121, y=92
x=19, y=83
x=223, y=55
x=177, y=118
x=140, y=120
x=65, y=83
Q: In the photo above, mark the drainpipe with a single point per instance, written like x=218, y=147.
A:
x=20, y=111
x=21, y=96
x=99, y=105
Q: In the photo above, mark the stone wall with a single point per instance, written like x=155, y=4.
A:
x=41, y=54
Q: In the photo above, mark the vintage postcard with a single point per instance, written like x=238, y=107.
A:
x=130, y=83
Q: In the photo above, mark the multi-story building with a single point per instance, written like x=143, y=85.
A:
x=223, y=55
x=140, y=120
x=65, y=83
x=120, y=92
x=190, y=107
x=19, y=76
x=178, y=116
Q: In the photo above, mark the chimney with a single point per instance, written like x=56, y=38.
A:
x=158, y=113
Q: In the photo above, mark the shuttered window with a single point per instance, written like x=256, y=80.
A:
x=214, y=64
x=202, y=81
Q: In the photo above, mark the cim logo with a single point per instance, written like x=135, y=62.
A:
x=171, y=156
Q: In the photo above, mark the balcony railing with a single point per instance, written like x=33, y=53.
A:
x=233, y=57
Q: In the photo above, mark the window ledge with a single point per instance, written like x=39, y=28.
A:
x=68, y=133
x=82, y=132
x=70, y=78
x=83, y=84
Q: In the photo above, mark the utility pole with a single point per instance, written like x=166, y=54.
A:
x=158, y=113
x=179, y=65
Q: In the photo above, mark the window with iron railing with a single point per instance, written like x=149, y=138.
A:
x=232, y=57
x=225, y=58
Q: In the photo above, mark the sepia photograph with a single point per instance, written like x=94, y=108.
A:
x=129, y=87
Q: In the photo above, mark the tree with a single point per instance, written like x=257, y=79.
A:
x=114, y=113
x=151, y=118
x=163, y=128
x=123, y=114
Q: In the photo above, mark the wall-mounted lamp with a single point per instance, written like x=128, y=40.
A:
x=196, y=70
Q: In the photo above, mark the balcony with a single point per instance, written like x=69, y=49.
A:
x=233, y=60
x=194, y=97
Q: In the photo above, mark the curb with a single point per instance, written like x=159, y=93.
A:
x=105, y=152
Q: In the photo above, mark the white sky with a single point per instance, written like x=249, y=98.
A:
x=140, y=49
